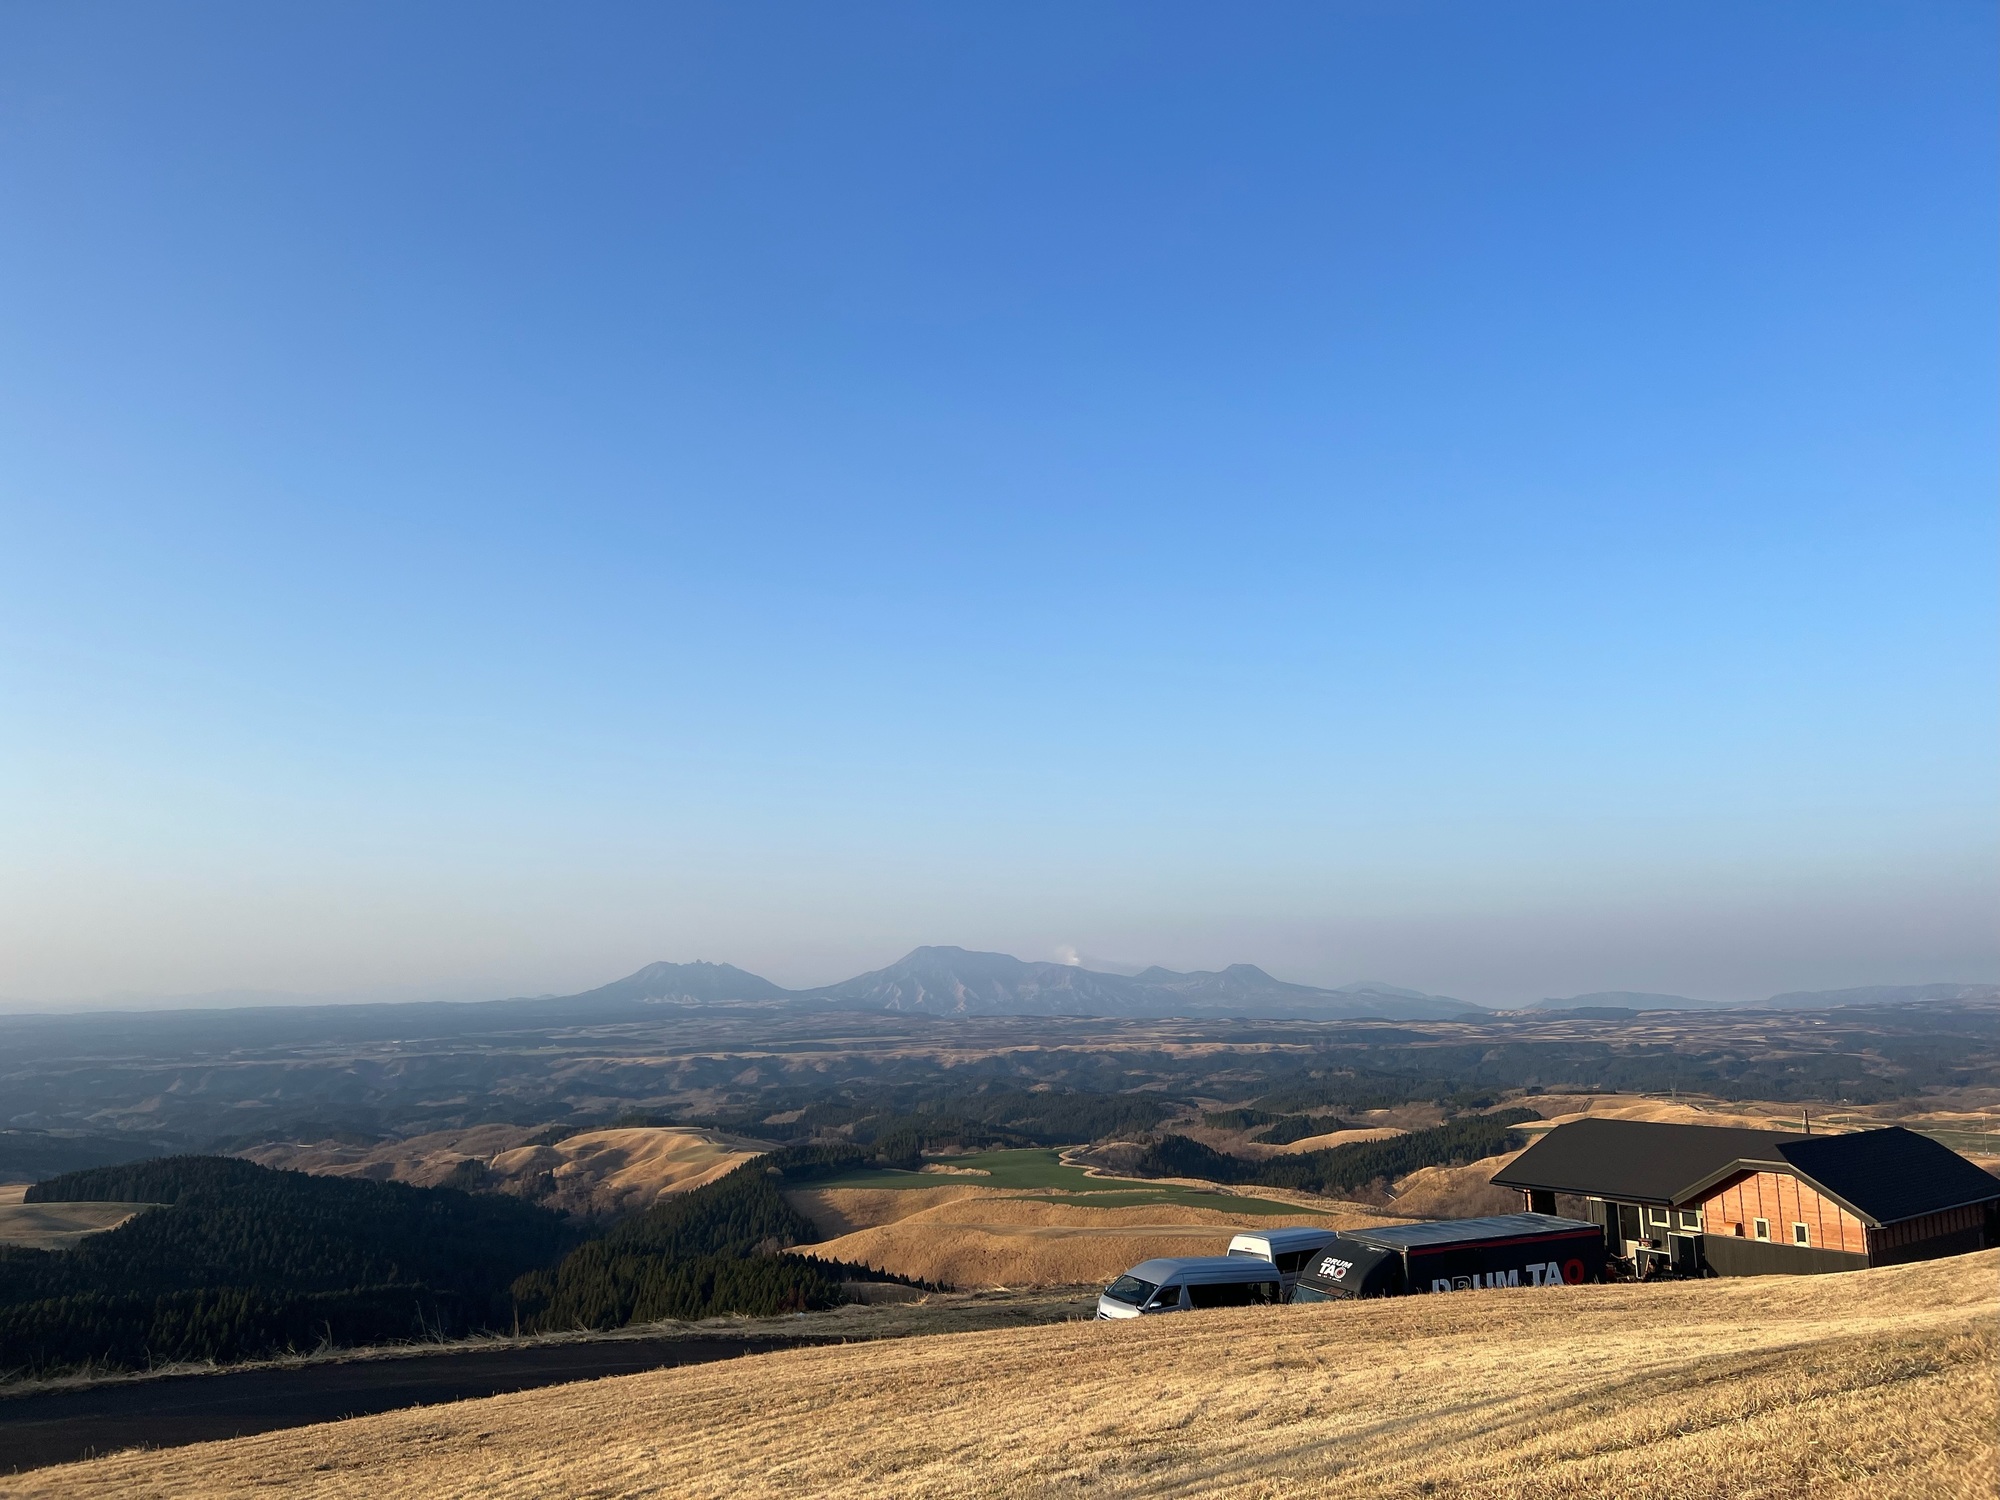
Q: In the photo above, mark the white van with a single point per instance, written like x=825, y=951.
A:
x=1289, y=1249
x=1156, y=1286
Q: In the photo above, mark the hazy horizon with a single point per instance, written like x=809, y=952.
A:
x=1496, y=501
x=463, y=993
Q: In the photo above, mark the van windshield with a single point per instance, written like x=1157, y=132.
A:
x=1132, y=1290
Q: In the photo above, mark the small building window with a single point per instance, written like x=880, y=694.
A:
x=1690, y=1218
x=1801, y=1235
x=1739, y=1230
x=1763, y=1227
x=1659, y=1216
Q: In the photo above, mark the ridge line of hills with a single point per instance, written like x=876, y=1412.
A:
x=952, y=981
x=958, y=981
x=961, y=982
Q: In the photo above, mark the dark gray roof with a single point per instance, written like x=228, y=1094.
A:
x=1890, y=1174
x=1457, y=1231
x=1636, y=1160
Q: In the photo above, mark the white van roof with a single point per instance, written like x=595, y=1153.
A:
x=1269, y=1242
x=1200, y=1268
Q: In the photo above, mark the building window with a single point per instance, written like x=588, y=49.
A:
x=1801, y=1235
x=1739, y=1230
x=1690, y=1218
x=1763, y=1227
x=1659, y=1216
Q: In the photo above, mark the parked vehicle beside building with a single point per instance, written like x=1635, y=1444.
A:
x=1453, y=1255
x=1288, y=1249
x=1191, y=1283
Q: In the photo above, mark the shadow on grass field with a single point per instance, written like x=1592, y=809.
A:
x=63, y=1420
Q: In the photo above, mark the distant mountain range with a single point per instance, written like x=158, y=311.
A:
x=959, y=982
x=955, y=981
x=940, y=982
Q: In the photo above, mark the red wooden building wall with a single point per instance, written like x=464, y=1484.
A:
x=1782, y=1200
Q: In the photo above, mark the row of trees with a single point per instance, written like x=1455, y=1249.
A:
x=238, y=1261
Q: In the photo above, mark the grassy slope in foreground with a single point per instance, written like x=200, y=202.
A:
x=1875, y=1383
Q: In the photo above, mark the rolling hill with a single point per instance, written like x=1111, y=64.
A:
x=592, y=1173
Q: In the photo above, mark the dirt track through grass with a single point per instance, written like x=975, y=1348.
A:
x=1876, y=1384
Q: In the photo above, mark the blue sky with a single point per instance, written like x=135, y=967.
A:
x=1494, y=498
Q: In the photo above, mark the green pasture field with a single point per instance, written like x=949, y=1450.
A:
x=1036, y=1168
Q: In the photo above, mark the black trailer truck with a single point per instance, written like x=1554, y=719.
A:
x=1454, y=1255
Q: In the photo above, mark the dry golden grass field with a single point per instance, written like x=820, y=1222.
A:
x=1455, y=1192
x=601, y=1172
x=626, y=1171
x=421, y=1160
x=1876, y=1384
x=979, y=1237
x=1334, y=1138
x=1562, y=1108
x=54, y=1226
